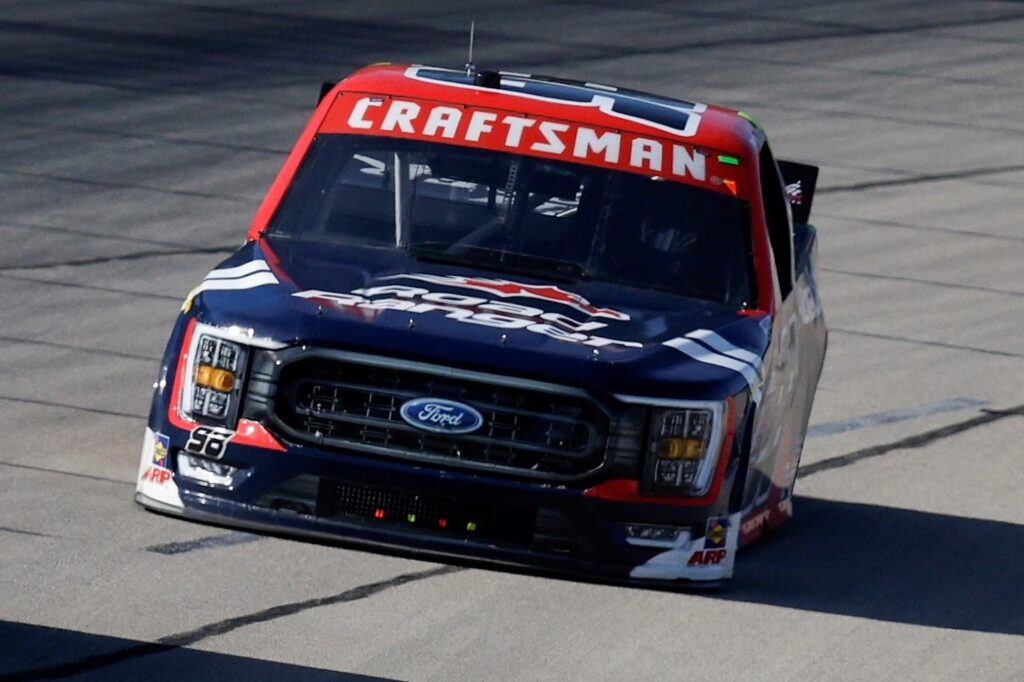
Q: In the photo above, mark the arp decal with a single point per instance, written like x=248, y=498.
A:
x=471, y=310
x=208, y=441
x=157, y=474
x=705, y=558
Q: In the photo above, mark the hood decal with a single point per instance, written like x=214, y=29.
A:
x=331, y=297
x=508, y=289
x=474, y=310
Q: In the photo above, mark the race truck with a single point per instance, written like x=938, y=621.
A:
x=529, y=321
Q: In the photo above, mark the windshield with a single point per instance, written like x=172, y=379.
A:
x=522, y=214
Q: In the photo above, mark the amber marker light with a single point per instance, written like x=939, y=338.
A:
x=680, y=448
x=218, y=379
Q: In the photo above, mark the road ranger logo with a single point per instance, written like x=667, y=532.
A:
x=441, y=416
x=507, y=289
x=477, y=310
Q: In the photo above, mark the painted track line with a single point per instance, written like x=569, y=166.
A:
x=891, y=416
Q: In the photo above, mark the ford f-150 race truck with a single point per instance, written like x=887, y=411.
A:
x=532, y=321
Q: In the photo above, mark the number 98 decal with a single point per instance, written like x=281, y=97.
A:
x=208, y=441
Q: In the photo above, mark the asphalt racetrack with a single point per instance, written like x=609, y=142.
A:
x=136, y=141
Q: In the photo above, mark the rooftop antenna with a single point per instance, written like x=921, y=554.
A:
x=470, y=67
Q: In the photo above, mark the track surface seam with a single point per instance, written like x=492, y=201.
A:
x=89, y=234
x=929, y=282
x=190, y=637
x=78, y=349
x=134, y=256
x=160, y=139
x=920, y=179
x=89, y=287
x=61, y=472
x=970, y=234
x=922, y=342
x=67, y=406
x=208, y=542
x=917, y=122
x=841, y=31
x=916, y=441
x=50, y=177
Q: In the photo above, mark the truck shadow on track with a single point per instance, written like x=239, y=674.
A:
x=889, y=564
x=869, y=561
x=34, y=652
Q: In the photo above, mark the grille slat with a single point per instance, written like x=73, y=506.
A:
x=338, y=403
x=328, y=424
x=396, y=397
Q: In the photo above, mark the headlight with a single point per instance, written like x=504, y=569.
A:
x=213, y=378
x=684, y=448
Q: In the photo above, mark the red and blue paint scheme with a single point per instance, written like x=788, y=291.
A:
x=374, y=392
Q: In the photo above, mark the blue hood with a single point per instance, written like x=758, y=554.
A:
x=605, y=337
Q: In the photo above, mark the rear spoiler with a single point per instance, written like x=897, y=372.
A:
x=800, y=180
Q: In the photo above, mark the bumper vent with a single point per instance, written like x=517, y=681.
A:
x=427, y=513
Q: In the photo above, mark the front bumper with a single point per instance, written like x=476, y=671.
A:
x=532, y=525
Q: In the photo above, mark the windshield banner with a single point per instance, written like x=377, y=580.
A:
x=507, y=131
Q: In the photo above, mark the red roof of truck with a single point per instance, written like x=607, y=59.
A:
x=668, y=139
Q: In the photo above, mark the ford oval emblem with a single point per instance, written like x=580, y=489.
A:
x=441, y=416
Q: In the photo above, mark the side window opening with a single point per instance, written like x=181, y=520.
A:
x=776, y=214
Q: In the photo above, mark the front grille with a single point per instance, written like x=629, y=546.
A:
x=428, y=513
x=342, y=401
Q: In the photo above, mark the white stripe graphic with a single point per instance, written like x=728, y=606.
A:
x=255, y=273
x=238, y=271
x=252, y=281
x=710, y=338
x=702, y=354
